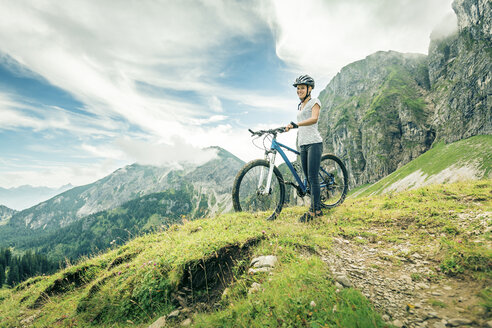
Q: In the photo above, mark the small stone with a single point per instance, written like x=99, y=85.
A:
x=254, y=271
x=264, y=261
x=342, y=279
x=431, y=315
x=386, y=318
x=186, y=310
x=255, y=287
x=436, y=294
x=406, y=279
x=438, y=325
x=28, y=320
x=159, y=323
x=489, y=324
x=421, y=285
x=338, y=285
x=186, y=322
x=173, y=314
x=312, y=304
x=447, y=288
x=458, y=322
x=398, y=323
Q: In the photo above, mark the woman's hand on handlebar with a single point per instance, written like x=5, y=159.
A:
x=291, y=125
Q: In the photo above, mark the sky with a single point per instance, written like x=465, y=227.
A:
x=87, y=87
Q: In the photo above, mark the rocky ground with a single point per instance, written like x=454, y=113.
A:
x=400, y=288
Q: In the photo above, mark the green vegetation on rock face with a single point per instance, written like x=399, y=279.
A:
x=133, y=285
x=381, y=112
x=465, y=159
x=375, y=115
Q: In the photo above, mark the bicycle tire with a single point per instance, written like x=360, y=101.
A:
x=247, y=195
x=333, y=181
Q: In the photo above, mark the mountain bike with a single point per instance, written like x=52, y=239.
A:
x=260, y=186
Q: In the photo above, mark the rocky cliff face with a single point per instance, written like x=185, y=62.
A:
x=5, y=214
x=376, y=114
x=381, y=112
x=460, y=73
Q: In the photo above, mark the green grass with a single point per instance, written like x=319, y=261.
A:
x=476, y=151
x=133, y=285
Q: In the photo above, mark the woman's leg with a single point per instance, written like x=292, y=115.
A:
x=313, y=163
x=304, y=161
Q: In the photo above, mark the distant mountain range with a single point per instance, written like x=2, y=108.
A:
x=203, y=189
x=20, y=198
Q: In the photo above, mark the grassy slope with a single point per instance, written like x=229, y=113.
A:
x=476, y=151
x=134, y=285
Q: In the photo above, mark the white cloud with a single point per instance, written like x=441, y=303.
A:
x=320, y=37
x=446, y=27
x=54, y=174
x=101, y=52
x=14, y=115
x=177, y=153
x=215, y=104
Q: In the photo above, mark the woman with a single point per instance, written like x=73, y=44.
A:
x=309, y=140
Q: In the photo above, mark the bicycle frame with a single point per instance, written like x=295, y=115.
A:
x=274, y=148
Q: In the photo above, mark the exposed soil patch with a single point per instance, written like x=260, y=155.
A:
x=68, y=281
x=406, y=290
x=204, y=280
x=28, y=283
x=127, y=257
x=84, y=302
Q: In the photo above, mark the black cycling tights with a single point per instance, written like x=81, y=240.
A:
x=311, y=160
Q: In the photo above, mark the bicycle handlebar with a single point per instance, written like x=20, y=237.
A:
x=271, y=131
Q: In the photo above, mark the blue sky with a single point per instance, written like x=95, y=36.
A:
x=87, y=87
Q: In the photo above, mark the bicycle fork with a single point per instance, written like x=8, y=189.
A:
x=271, y=160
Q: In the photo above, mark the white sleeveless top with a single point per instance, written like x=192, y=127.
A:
x=308, y=134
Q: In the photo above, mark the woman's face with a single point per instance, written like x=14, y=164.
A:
x=302, y=90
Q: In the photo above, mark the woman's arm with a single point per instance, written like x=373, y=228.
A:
x=310, y=121
x=314, y=116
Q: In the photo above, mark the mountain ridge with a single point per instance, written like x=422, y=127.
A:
x=125, y=184
x=381, y=112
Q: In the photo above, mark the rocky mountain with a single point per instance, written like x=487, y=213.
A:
x=375, y=114
x=23, y=197
x=212, y=182
x=383, y=111
x=5, y=214
x=460, y=73
x=110, y=228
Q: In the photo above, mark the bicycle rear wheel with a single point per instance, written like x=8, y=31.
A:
x=333, y=181
x=249, y=190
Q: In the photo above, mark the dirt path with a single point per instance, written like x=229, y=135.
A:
x=400, y=288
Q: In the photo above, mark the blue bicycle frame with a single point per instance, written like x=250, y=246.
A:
x=277, y=146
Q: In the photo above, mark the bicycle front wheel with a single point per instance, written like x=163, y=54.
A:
x=249, y=192
x=333, y=179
